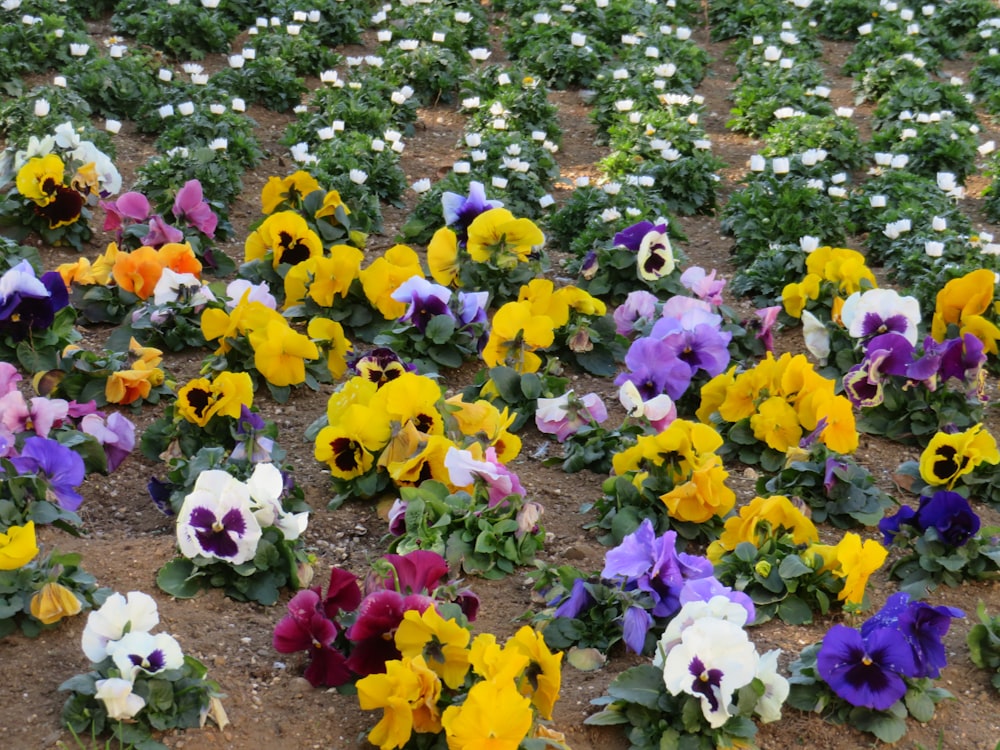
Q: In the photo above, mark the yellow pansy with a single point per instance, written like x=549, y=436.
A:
x=543, y=677
x=703, y=497
x=331, y=202
x=18, y=546
x=322, y=279
x=348, y=445
x=285, y=235
x=795, y=296
x=38, y=179
x=280, y=353
x=855, y=563
x=491, y=661
x=494, y=715
x=776, y=424
x=385, y=275
x=515, y=335
x=330, y=338
x=201, y=399
x=53, y=602
x=442, y=257
x=442, y=643
x=393, y=692
x=947, y=458
x=760, y=519
x=960, y=298
x=496, y=236
x=289, y=191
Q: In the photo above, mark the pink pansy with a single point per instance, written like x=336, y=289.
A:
x=705, y=286
x=768, y=316
x=161, y=233
x=116, y=435
x=47, y=413
x=191, y=206
x=660, y=410
x=680, y=306
x=463, y=470
x=130, y=208
x=9, y=377
x=14, y=411
x=565, y=415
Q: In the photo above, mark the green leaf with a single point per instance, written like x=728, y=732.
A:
x=920, y=705
x=794, y=611
x=793, y=567
x=175, y=578
x=642, y=684
x=440, y=329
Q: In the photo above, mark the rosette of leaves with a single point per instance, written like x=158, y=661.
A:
x=810, y=693
x=920, y=93
x=442, y=342
x=910, y=415
x=772, y=209
x=432, y=70
x=118, y=87
x=877, y=80
x=779, y=578
x=769, y=272
x=357, y=150
x=593, y=215
x=19, y=586
x=838, y=489
x=548, y=50
x=907, y=196
x=984, y=644
x=612, y=273
x=991, y=194
x=39, y=45
x=174, y=699
x=683, y=173
x=522, y=97
x=690, y=59
x=29, y=497
x=654, y=719
x=18, y=122
x=422, y=21
x=837, y=136
x=185, y=31
x=484, y=540
x=947, y=144
x=271, y=82
x=889, y=44
x=595, y=627
x=840, y=20
x=732, y=18
x=303, y=53
x=758, y=95
x=204, y=126
x=165, y=174
x=505, y=387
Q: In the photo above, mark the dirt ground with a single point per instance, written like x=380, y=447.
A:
x=269, y=704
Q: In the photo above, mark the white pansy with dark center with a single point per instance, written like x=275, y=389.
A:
x=713, y=660
x=217, y=520
x=119, y=614
x=655, y=258
x=146, y=652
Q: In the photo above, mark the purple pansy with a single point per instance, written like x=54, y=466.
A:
x=631, y=237
x=950, y=515
x=867, y=670
x=29, y=303
x=161, y=233
x=60, y=466
x=307, y=628
x=426, y=301
x=460, y=211
x=639, y=305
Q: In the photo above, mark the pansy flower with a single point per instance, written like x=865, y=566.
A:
x=61, y=467
x=567, y=414
x=144, y=652
x=385, y=275
x=655, y=257
x=287, y=237
x=407, y=693
x=201, y=399
x=866, y=671
x=496, y=236
x=29, y=303
x=950, y=456
x=308, y=628
x=18, y=546
x=494, y=714
x=190, y=206
x=442, y=643
x=119, y=701
x=280, y=353
x=52, y=602
x=216, y=519
x=119, y=615
x=713, y=660
x=460, y=211
x=879, y=311
x=442, y=257
x=515, y=336
x=288, y=191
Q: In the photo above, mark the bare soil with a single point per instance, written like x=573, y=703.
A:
x=269, y=704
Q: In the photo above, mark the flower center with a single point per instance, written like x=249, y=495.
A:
x=867, y=660
x=217, y=527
